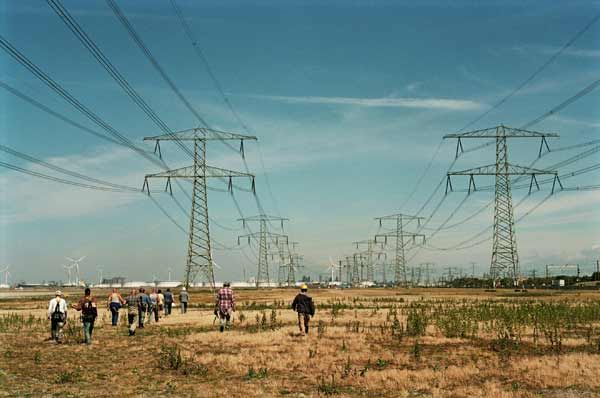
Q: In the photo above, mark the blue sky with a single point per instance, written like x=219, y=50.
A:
x=350, y=100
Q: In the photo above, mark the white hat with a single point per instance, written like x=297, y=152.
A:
x=58, y=293
x=183, y=288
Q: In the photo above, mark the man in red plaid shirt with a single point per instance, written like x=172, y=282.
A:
x=225, y=305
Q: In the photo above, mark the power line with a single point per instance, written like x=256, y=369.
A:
x=57, y=115
x=198, y=51
x=137, y=39
x=91, y=46
x=29, y=158
x=535, y=73
x=61, y=180
x=511, y=94
x=57, y=88
x=583, y=92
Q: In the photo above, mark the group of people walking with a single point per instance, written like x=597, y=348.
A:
x=143, y=307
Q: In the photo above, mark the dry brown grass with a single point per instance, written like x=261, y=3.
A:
x=273, y=360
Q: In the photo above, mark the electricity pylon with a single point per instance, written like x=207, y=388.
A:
x=427, y=268
x=289, y=261
x=262, y=275
x=294, y=265
x=199, y=256
x=370, y=252
x=400, y=277
x=349, y=269
x=505, y=259
x=358, y=261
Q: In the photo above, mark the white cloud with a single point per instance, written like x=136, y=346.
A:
x=29, y=198
x=403, y=102
x=578, y=122
x=575, y=52
x=412, y=87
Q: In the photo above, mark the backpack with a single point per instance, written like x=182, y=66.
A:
x=57, y=315
x=89, y=310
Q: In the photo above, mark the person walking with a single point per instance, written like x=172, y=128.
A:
x=132, y=311
x=89, y=312
x=161, y=303
x=225, y=306
x=57, y=313
x=143, y=303
x=304, y=306
x=184, y=299
x=153, y=310
x=115, y=301
x=168, y=301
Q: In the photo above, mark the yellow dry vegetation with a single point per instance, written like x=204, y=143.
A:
x=363, y=343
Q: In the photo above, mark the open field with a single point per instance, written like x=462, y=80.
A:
x=367, y=343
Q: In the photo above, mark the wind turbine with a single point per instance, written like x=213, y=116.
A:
x=332, y=267
x=68, y=269
x=6, y=274
x=75, y=264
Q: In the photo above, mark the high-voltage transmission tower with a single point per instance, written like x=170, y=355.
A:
x=358, y=267
x=199, y=256
x=505, y=259
x=289, y=262
x=262, y=275
x=372, y=249
x=294, y=265
x=427, y=271
x=400, y=235
x=349, y=265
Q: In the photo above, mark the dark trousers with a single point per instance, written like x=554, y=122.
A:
x=114, y=310
x=184, y=307
x=168, y=307
x=141, y=316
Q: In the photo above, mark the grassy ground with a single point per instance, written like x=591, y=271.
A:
x=367, y=343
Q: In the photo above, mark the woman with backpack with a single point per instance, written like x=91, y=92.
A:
x=57, y=313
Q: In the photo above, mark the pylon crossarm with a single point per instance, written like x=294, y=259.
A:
x=200, y=134
x=190, y=172
x=491, y=170
x=500, y=132
x=264, y=217
x=405, y=217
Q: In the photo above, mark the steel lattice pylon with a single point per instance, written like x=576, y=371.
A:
x=357, y=274
x=400, y=275
x=262, y=275
x=504, y=250
x=505, y=259
x=199, y=257
x=199, y=254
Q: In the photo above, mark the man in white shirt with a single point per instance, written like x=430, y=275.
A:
x=57, y=313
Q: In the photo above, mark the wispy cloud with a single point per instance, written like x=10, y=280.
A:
x=575, y=52
x=389, y=102
x=549, y=50
x=23, y=197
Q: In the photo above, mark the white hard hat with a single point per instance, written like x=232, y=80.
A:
x=183, y=288
x=58, y=293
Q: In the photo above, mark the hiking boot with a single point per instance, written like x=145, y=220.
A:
x=221, y=328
